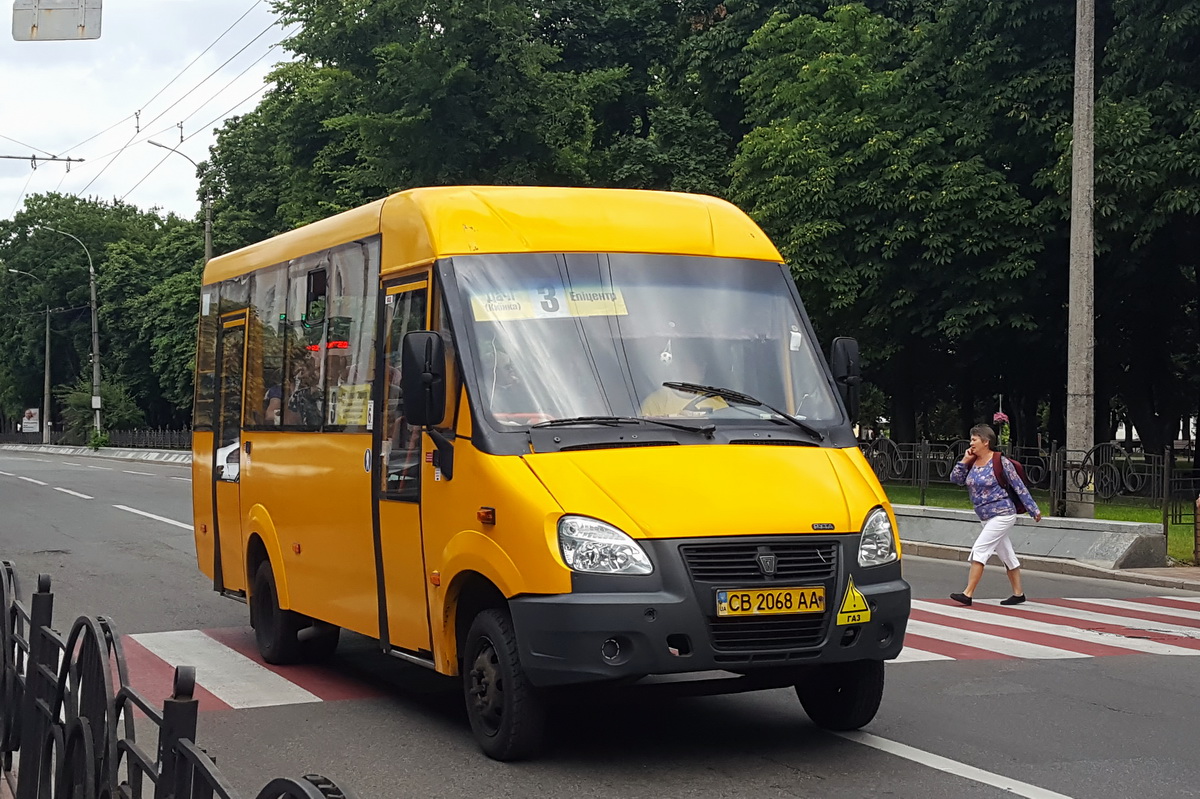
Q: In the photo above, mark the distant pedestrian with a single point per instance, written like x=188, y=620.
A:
x=995, y=509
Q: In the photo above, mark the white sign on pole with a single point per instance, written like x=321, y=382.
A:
x=30, y=422
x=55, y=20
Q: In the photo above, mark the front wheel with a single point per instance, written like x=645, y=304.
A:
x=275, y=629
x=842, y=696
x=507, y=713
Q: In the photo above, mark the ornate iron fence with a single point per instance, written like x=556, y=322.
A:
x=1107, y=473
x=160, y=438
x=67, y=711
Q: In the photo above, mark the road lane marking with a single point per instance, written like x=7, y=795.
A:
x=154, y=516
x=949, y=766
x=8, y=474
x=147, y=474
x=71, y=463
x=1001, y=617
x=72, y=493
x=230, y=676
x=105, y=468
x=993, y=643
x=30, y=480
x=184, y=479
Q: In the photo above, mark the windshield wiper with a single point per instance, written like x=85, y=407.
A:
x=738, y=397
x=707, y=429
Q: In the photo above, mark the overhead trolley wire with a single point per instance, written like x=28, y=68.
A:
x=178, y=75
x=172, y=105
x=216, y=119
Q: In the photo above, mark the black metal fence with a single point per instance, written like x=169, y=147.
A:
x=1106, y=474
x=67, y=714
x=141, y=438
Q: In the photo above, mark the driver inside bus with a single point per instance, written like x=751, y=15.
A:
x=681, y=365
x=504, y=392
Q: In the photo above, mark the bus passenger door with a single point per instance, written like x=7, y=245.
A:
x=229, y=571
x=400, y=562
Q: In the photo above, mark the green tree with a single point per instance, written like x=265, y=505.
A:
x=896, y=232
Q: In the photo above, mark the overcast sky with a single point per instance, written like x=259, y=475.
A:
x=56, y=95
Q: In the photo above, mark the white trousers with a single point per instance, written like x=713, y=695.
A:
x=994, y=539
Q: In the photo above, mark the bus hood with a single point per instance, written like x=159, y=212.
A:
x=714, y=490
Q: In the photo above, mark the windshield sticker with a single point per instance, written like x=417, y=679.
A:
x=548, y=302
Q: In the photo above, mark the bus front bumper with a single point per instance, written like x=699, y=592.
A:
x=598, y=636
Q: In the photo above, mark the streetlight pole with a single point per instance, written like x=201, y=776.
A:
x=207, y=205
x=46, y=384
x=95, y=327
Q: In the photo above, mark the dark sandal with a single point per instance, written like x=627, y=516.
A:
x=963, y=598
x=1015, y=599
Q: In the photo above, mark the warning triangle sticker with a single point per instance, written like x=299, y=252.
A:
x=854, y=609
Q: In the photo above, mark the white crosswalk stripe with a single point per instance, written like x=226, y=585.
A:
x=992, y=643
x=1063, y=631
x=1106, y=618
x=1051, y=629
x=1144, y=607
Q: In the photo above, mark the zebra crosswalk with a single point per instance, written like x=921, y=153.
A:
x=1052, y=628
x=231, y=675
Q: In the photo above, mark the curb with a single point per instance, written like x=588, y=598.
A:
x=118, y=453
x=1055, y=566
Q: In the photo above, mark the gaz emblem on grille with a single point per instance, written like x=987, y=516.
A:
x=767, y=563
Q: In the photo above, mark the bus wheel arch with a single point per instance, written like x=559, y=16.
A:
x=470, y=594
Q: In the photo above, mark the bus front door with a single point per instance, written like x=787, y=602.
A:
x=228, y=572
x=400, y=561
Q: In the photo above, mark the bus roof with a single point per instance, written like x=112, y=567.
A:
x=425, y=224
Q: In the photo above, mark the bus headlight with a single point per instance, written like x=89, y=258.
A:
x=877, y=545
x=590, y=545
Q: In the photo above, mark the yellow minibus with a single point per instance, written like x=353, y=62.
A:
x=538, y=438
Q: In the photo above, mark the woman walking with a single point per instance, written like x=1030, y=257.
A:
x=995, y=508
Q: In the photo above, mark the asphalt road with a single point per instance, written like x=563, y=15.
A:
x=1043, y=725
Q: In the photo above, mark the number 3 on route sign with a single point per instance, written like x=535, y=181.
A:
x=854, y=609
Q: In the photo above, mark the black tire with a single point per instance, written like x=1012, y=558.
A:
x=319, y=642
x=275, y=629
x=842, y=696
x=507, y=713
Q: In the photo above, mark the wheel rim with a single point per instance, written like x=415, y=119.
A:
x=487, y=687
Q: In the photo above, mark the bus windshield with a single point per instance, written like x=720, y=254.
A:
x=556, y=336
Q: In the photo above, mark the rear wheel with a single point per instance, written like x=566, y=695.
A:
x=842, y=696
x=508, y=716
x=275, y=630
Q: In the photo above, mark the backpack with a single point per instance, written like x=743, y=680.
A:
x=1002, y=479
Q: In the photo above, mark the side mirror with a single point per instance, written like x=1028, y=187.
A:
x=843, y=360
x=423, y=378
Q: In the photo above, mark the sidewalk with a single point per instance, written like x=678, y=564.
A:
x=120, y=453
x=1185, y=578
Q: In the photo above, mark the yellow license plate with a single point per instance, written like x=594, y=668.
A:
x=770, y=601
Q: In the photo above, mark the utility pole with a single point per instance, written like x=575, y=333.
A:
x=1081, y=343
x=46, y=384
